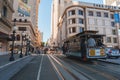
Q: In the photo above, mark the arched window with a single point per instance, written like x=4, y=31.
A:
x=18, y=37
x=4, y=11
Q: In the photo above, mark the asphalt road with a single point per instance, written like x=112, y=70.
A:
x=58, y=67
x=39, y=68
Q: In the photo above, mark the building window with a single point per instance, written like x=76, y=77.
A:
x=98, y=14
x=81, y=21
x=72, y=21
x=80, y=12
x=106, y=14
x=114, y=32
x=18, y=37
x=113, y=24
x=114, y=40
x=81, y=29
x=4, y=11
x=108, y=39
x=22, y=28
x=111, y=16
x=72, y=30
x=72, y=12
x=90, y=13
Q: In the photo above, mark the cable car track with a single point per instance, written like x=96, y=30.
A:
x=90, y=69
x=74, y=77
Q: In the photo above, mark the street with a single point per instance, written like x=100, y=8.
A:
x=58, y=67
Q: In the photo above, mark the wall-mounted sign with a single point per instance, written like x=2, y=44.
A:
x=23, y=8
x=116, y=17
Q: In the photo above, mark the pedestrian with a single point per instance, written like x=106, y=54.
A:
x=37, y=50
x=99, y=43
x=83, y=48
x=91, y=42
x=64, y=47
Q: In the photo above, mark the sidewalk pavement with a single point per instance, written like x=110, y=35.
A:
x=10, y=68
x=4, y=59
x=113, y=61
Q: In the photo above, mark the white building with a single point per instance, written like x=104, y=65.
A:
x=56, y=12
x=112, y=2
x=78, y=16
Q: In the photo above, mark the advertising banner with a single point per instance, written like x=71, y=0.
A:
x=23, y=8
x=116, y=17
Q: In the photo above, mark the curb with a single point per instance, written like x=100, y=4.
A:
x=109, y=62
x=10, y=69
x=12, y=62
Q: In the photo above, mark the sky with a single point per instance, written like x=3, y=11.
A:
x=44, y=17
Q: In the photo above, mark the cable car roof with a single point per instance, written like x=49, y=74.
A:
x=85, y=34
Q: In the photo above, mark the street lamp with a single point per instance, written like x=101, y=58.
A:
x=13, y=39
x=27, y=45
x=29, y=40
x=23, y=35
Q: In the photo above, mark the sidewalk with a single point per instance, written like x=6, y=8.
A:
x=10, y=68
x=113, y=61
x=4, y=59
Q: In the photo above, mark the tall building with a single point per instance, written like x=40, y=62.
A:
x=57, y=10
x=6, y=11
x=79, y=16
x=112, y=2
x=26, y=19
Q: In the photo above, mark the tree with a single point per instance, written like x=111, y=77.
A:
x=42, y=44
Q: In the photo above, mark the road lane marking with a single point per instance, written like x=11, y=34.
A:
x=56, y=69
x=12, y=62
x=38, y=76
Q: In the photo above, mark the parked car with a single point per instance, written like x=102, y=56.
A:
x=112, y=52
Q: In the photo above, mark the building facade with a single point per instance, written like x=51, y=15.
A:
x=6, y=11
x=26, y=20
x=56, y=11
x=112, y=2
x=80, y=16
x=38, y=39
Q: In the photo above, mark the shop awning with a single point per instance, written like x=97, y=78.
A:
x=5, y=36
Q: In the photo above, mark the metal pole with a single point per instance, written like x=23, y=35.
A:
x=26, y=47
x=21, y=55
x=29, y=46
x=12, y=49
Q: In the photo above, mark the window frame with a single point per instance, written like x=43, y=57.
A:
x=4, y=11
x=90, y=13
x=109, y=40
x=106, y=15
x=98, y=15
x=80, y=12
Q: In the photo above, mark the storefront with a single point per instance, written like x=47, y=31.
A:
x=4, y=43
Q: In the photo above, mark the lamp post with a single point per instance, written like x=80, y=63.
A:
x=29, y=40
x=13, y=39
x=27, y=45
x=23, y=34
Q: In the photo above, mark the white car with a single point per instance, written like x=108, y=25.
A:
x=112, y=52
